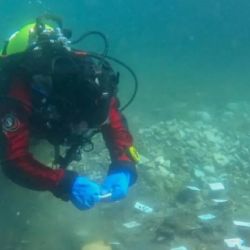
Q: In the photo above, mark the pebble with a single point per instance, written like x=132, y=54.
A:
x=210, y=169
x=221, y=159
x=160, y=160
x=198, y=173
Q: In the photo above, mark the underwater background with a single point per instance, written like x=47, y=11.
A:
x=190, y=121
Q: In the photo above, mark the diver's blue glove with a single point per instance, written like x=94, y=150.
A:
x=84, y=193
x=117, y=182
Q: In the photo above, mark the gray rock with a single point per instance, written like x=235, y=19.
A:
x=198, y=173
x=209, y=169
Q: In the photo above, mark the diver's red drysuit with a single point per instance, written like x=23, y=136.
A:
x=19, y=164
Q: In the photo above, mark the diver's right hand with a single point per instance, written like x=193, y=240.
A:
x=85, y=193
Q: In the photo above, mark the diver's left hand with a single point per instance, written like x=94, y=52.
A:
x=117, y=184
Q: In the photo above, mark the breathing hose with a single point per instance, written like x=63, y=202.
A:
x=97, y=33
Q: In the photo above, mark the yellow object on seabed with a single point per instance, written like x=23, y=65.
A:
x=97, y=245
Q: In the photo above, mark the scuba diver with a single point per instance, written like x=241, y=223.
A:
x=52, y=91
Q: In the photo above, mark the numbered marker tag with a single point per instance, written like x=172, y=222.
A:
x=143, y=208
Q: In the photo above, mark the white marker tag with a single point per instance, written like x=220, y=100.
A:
x=179, y=248
x=143, y=208
x=131, y=224
x=206, y=217
x=216, y=186
x=236, y=242
x=193, y=188
x=219, y=200
x=116, y=243
x=241, y=223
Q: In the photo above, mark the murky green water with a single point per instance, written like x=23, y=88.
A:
x=192, y=110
